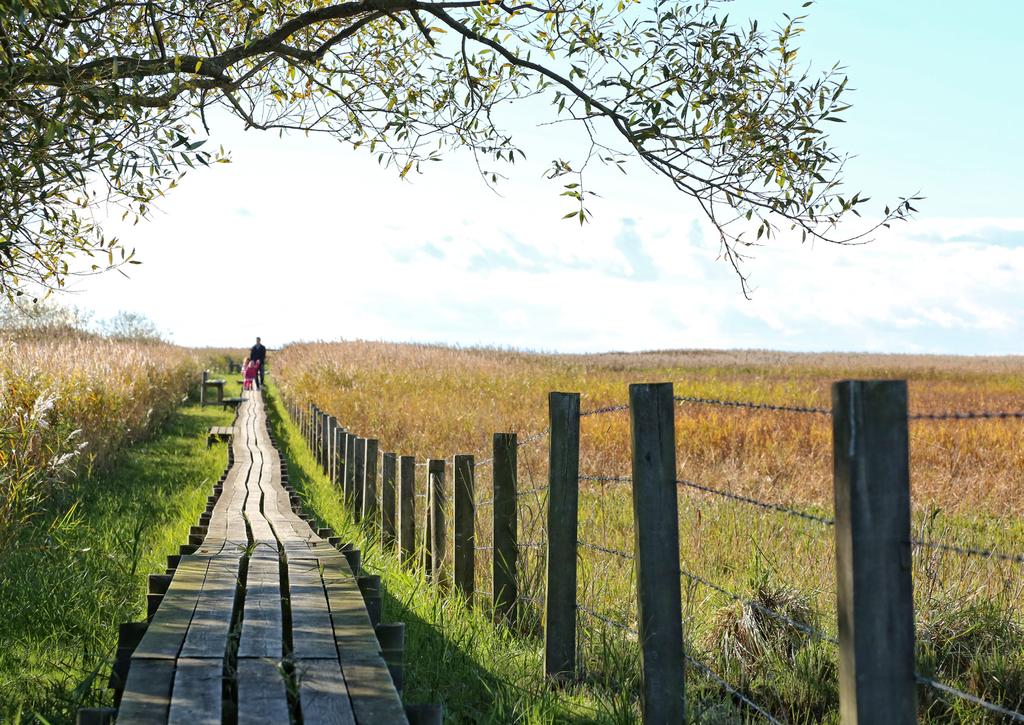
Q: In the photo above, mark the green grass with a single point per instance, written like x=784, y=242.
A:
x=80, y=567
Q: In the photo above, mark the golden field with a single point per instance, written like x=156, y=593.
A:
x=967, y=489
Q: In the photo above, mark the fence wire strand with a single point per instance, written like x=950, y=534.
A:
x=605, y=550
x=750, y=404
x=970, y=415
x=606, y=479
x=969, y=551
x=757, y=502
x=610, y=622
x=731, y=690
x=602, y=411
x=806, y=629
x=991, y=706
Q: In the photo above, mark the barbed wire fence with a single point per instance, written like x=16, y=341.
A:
x=607, y=563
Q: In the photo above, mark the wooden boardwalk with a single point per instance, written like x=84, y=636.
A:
x=264, y=621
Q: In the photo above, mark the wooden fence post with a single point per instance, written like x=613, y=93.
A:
x=464, y=529
x=318, y=435
x=387, y=501
x=338, y=476
x=563, y=515
x=505, y=555
x=437, y=529
x=370, y=481
x=407, y=508
x=325, y=439
x=350, y=471
x=656, y=542
x=312, y=430
x=873, y=555
x=332, y=429
x=358, y=473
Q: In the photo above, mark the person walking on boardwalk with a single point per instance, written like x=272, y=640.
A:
x=258, y=352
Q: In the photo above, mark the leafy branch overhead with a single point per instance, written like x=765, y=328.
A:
x=103, y=103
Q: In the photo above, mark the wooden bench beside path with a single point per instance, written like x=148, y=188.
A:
x=260, y=619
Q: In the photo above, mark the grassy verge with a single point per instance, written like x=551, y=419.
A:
x=78, y=570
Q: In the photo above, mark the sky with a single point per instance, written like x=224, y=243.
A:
x=303, y=239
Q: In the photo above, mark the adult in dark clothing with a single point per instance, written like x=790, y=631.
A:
x=258, y=352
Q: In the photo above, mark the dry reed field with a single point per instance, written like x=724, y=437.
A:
x=70, y=401
x=758, y=580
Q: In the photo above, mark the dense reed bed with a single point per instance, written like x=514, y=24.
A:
x=69, y=402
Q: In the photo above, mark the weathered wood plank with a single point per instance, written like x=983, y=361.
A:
x=323, y=695
x=353, y=631
x=373, y=694
x=147, y=693
x=196, y=698
x=312, y=631
x=262, y=694
x=262, y=630
x=166, y=633
x=208, y=631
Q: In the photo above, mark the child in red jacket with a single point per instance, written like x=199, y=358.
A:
x=251, y=371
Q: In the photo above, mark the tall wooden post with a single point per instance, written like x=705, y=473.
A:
x=338, y=476
x=437, y=534
x=407, y=508
x=563, y=515
x=387, y=501
x=320, y=437
x=873, y=556
x=506, y=544
x=370, y=481
x=656, y=542
x=359, y=473
x=464, y=526
x=350, y=471
x=325, y=442
x=332, y=453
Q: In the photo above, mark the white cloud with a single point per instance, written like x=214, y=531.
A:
x=299, y=239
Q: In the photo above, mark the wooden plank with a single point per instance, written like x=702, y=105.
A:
x=312, y=631
x=166, y=633
x=262, y=630
x=196, y=698
x=262, y=694
x=147, y=693
x=323, y=695
x=208, y=631
x=373, y=694
x=353, y=631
